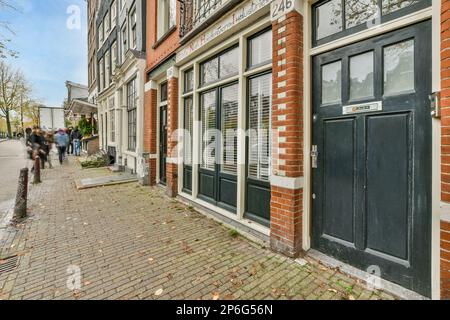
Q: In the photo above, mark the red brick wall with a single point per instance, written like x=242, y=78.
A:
x=286, y=204
x=172, y=126
x=445, y=95
x=286, y=208
x=155, y=55
x=150, y=131
x=445, y=147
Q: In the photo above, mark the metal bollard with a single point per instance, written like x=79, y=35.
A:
x=37, y=170
x=20, y=208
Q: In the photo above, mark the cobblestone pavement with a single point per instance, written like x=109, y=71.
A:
x=132, y=242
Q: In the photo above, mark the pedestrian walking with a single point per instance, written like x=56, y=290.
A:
x=76, y=142
x=28, y=143
x=37, y=144
x=70, y=142
x=49, y=141
x=62, y=140
x=43, y=150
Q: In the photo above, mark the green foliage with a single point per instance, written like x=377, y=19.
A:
x=95, y=161
x=233, y=233
x=85, y=127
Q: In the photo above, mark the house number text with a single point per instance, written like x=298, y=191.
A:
x=281, y=7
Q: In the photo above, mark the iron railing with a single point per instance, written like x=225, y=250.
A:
x=194, y=12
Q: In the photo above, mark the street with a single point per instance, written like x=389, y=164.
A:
x=133, y=242
x=12, y=159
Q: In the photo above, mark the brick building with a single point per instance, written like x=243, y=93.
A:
x=120, y=54
x=320, y=126
x=161, y=102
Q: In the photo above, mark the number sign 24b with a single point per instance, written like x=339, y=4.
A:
x=282, y=7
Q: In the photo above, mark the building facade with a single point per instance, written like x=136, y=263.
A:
x=161, y=90
x=75, y=91
x=316, y=125
x=121, y=42
x=92, y=7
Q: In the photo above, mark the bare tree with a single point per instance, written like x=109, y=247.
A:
x=6, y=32
x=12, y=88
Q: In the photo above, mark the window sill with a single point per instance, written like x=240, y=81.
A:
x=259, y=66
x=164, y=37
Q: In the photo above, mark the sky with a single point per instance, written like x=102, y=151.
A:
x=52, y=45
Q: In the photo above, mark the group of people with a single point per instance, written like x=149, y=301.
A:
x=40, y=143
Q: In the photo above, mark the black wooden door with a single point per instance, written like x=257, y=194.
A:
x=257, y=191
x=218, y=172
x=372, y=129
x=187, y=150
x=163, y=145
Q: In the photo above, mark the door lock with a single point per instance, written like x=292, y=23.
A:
x=435, y=99
x=314, y=156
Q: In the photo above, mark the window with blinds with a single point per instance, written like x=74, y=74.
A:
x=189, y=130
x=112, y=117
x=208, y=114
x=132, y=114
x=132, y=125
x=260, y=124
x=229, y=124
x=260, y=49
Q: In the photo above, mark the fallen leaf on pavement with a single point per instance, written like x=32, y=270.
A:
x=159, y=292
x=186, y=247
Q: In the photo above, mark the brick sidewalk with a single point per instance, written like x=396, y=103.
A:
x=132, y=242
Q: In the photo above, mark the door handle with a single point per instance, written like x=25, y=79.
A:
x=314, y=156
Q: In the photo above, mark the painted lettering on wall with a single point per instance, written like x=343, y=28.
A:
x=236, y=17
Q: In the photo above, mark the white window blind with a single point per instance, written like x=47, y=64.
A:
x=260, y=49
x=229, y=124
x=260, y=125
x=208, y=109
